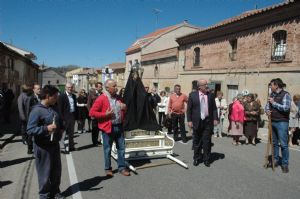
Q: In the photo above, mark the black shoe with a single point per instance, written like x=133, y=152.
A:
x=207, y=164
x=24, y=142
x=196, y=162
x=59, y=196
x=184, y=140
x=285, y=169
x=97, y=144
x=72, y=149
x=276, y=164
x=29, y=151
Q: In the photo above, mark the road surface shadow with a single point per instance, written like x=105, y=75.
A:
x=13, y=162
x=86, y=185
x=214, y=156
x=85, y=147
x=4, y=183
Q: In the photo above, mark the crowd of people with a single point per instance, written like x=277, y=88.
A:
x=48, y=119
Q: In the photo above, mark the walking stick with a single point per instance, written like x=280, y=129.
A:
x=270, y=143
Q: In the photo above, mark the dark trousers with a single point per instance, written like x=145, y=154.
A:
x=81, y=125
x=161, y=118
x=202, y=140
x=178, y=118
x=69, y=125
x=6, y=113
x=95, y=131
x=48, y=167
x=25, y=136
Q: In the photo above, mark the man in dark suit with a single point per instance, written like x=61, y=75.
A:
x=93, y=95
x=68, y=111
x=201, y=117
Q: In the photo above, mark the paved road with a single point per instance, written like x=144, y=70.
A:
x=236, y=172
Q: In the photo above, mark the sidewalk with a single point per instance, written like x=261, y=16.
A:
x=9, y=131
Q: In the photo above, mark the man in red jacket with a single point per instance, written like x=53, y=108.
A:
x=110, y=114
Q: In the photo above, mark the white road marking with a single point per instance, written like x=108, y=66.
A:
x=73, y=177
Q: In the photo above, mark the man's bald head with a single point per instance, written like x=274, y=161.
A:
x=109, y=82
x=111, y=86
x=202, y=85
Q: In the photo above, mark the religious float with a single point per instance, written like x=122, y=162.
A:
x=143, y=137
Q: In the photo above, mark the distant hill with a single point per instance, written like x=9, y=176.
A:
x=63, y=69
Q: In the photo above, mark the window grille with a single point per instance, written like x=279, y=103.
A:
x=197, y=56
x=279, y=45
x=232, y=54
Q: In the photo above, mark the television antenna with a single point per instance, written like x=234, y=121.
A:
x=156, y=12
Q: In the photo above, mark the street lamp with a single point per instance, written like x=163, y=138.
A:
x=88, y=81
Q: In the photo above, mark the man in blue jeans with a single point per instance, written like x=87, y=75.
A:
x=109, y=111
x=278, y=107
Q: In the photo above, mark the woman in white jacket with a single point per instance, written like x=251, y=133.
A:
x=162, y=106
x=222, y=109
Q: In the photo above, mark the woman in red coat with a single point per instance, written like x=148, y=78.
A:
x=237, y=119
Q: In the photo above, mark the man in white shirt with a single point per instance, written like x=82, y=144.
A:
x=68, y=111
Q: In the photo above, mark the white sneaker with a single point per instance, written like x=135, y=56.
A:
x=220, y=135
x=215, y=135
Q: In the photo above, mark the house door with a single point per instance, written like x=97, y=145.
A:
x=155, y=85
x=215, y=86
x=232, y=92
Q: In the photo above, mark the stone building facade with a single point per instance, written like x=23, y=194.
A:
x=245, y=52
x=157, y=53
x=17, y=67
x=53, y=77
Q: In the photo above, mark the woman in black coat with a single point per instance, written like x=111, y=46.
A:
x=82, y=110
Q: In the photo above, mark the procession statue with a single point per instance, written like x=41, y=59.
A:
x=140, y=113
x=143, y=136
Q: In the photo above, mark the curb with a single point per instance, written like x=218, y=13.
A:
x=5, y=139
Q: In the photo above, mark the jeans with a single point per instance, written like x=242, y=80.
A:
x=116, y=135
x=218, y=129
x=280, y=135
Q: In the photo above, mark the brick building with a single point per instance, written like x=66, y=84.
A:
x=245, y=52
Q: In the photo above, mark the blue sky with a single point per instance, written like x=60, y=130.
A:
x=93, y=33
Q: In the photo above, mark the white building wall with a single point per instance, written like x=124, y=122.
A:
x=168, y=40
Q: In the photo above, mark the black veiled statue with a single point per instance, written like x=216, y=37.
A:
x=140, y=114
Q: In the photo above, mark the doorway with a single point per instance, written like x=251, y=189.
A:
x=232, y=92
